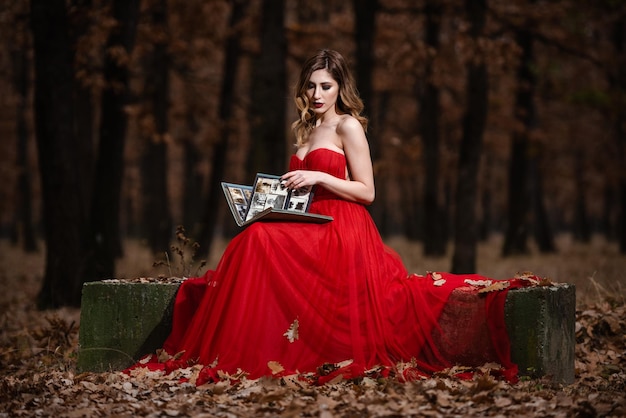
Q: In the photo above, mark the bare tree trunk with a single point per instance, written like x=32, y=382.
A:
x=154, y=167
x=621, y=227
x=214, y=195
x=192, y=181
x=64, y=213
x=364, y=35
x=192, y=186
x=543, y=233
x=582, y=231
x=516, y=236
x=411, y=210
x=466, y=231
x=24, y=208
x=105, y=204
x=269, y=143
x=80, y=23
x=429, y=115
x=618, y=84
x=608, y=203
x=486, y=224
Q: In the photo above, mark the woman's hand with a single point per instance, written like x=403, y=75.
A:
x=299, y=179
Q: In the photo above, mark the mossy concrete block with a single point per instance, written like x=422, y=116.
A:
x=541, y=325
x=122, y=321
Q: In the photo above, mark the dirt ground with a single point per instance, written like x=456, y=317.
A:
x=38, y=353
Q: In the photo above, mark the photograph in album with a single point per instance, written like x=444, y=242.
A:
x=269, y=200
x=238, y=197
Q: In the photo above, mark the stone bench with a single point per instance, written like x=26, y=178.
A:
x=122, y=321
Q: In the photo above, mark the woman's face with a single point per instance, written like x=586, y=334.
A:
x=322, y=91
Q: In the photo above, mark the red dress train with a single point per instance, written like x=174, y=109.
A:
x=304, y=295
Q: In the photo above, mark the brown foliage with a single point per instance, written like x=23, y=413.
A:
x=574, y=59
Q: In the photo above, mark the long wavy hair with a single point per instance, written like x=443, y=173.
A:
x=348, y=101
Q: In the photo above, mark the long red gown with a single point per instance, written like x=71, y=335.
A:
x=305, y=295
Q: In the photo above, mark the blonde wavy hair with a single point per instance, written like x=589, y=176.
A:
x=348, y=101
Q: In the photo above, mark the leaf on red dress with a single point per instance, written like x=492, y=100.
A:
x=292, y=332
x=528, y=277
x=437, y=279
x=525, y=275
x=162, y=355
x=534, y=280
x=479, y=283
x=344, y=363
x=275, y=367
x=496, y=286
x=327, y=368
x=214, y=363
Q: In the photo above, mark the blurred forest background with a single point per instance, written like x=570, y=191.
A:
x=120, y=118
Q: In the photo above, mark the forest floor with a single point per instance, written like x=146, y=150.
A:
x=38, y=351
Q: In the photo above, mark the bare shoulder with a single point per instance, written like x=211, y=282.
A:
x=352, y=135
x=351, y=131
x=349, y=125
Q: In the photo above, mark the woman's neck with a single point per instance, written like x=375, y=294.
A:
x=328, y=118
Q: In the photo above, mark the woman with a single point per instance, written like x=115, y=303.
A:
x=306, y=295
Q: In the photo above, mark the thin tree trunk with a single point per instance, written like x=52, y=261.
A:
x=269, y=144
x=486, y=221
x=64, y=213
x=581, y=222
x=105, y=206
x=618, y=84
x=24, y=208
x=466, y=231
x=364, y=37
x=608, y=203
x=621, y=187
x=154, y=162
x=516, y=236
x=429, y=115
x=411, y=210
x=192, y=178
x=543, y=232
x=80, y=23
x=214, y=195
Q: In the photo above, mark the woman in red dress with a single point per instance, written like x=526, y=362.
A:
x=303, y=295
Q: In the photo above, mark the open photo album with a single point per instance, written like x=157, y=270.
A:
x=269, y=200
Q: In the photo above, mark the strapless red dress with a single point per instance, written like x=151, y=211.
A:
x=305, y=295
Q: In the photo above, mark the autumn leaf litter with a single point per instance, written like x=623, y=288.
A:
x=38, y=378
